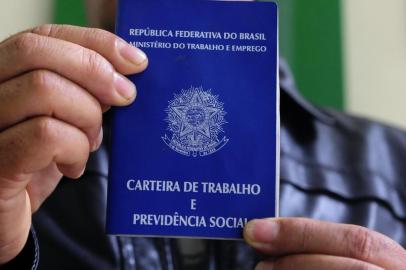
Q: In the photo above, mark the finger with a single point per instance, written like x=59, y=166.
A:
x=125, y=58
x=294, y=235
x=105, y=108
x=34, y=144
x=44, y=93
x=85, y=67
x=311, y=262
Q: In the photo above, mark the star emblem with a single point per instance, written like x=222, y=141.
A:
x=195, y=117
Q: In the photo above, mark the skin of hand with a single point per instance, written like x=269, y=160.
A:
x=55, y=83
x=305, y=244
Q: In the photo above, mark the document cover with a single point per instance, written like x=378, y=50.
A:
x=196, y=155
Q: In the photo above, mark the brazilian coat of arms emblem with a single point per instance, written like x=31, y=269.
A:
x=195, y=119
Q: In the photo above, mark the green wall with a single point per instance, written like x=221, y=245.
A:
x=310, y=39
x=69, y=12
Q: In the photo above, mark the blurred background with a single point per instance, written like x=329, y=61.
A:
x=345, y=54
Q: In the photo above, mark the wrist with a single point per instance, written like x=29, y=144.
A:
x=28, y=257
x=10, y=251
x=14, y=229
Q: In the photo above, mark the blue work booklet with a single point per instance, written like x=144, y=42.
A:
x=197, y=153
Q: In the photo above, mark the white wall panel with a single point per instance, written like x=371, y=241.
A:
x=18, y=15
x=374, y=34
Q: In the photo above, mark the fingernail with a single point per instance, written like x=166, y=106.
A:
x=130, y=53
x=261, y=231
x=264, y=266
x=98, y=141
x=124, y=87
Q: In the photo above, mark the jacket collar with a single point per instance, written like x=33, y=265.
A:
x=288, y=86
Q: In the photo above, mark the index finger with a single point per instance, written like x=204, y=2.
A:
x=125, y=58
x=286, y=236
x=29, y=52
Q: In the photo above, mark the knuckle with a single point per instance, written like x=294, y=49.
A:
x=25, y=43
x=360, y=243
x=42, y=81
x=42, y=84
x=101, y=35
x=306, y=235
x=305, y=232
x=45, y=29
x=45, y=130
x=94, y=63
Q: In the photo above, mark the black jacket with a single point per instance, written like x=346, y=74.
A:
x=333, y=167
